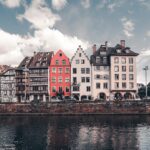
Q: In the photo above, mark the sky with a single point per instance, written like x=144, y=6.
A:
x=48, y=25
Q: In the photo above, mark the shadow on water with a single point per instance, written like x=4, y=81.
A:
x=73, y=132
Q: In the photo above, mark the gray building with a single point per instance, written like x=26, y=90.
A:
x=8, y=86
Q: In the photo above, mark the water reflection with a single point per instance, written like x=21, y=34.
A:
x=75, y=132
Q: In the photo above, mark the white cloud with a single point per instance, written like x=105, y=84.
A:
x=85, y=3
x=128, y=27
x=11, y=3
x=39, y=15
x=148, y=33
x=59, y=4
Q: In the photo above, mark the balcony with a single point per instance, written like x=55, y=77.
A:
x=38, y=92
x=39, y=75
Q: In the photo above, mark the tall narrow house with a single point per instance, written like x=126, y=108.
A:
x=60, y=74
x=22, y=80
x=38, y=75
x=100, y=72
x=8, y=86
x=80, y=75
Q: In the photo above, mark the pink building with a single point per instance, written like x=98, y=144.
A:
x=59, y=75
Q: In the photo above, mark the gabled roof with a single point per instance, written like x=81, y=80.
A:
x=80, y=48
x=41, y=60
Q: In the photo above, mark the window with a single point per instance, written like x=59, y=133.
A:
x=116, y=68
x=98, y=85
x=97, y=67
x=123, y=76
x=87, y=79
x=97, y=76
x=80, y=54
x=116, y=85
x=77, y=61
x=83, y=70
x=57, y=62
x=67, y=70
x=105, y=85
x=131, y=85
x=60, y=89
x=88, y=88
x=130, y=76
x=59, y=70
x=106, y=68
x=74, y=70
x=130, y=60
x=105, y=60
x=64, y=62
x=74, y=80
x=116, y=60
x=130, y=68
x=67, y=89
x=60, y=54
x=67, y=80
x=53, y=89
x=75, y=88
x=82, y=61
x=53, y=79
x=87, y=70
x=97, y=59
x=123, y=68
x=82, y=79
x=53, y=70
x=60, y=79
x=116, y=76
x=123, y=60
x=105, y=76
x=123, y=85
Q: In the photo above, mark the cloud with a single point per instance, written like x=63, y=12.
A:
x=148, y=33
x=128, y=27
x=11, y=3
x=85, y=3
x=59, y=4
x=39, y=15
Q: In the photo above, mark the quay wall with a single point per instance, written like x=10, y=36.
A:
x=74, y=108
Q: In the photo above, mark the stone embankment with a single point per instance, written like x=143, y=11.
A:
x=71, y=108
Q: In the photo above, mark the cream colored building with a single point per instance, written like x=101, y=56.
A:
x=80, y=75
x=113, y=72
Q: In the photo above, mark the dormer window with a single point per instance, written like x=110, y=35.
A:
x=127, y=50
x=118, y=50
x=97, y=59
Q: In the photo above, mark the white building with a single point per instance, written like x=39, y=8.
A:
x=8, y=86
x=80, y=75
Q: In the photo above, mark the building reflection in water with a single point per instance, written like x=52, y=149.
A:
x=75, y=132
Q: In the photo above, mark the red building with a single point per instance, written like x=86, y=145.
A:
x=60, y=75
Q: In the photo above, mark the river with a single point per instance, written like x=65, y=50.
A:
x=75, y=132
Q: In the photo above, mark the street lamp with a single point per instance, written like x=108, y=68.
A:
x=146, y=69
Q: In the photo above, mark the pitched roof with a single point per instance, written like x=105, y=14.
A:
x=41, y=60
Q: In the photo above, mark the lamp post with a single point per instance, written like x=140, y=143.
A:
x=146, y=69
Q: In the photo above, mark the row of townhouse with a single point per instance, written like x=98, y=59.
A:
x=108, y=74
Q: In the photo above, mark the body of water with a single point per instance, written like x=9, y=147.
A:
x=75, y=132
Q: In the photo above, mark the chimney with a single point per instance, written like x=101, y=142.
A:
x=34, y=53
x=106, y=45
x=94, y=48
x=122, y=43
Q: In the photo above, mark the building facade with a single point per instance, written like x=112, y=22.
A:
x=38, y=76
x=80, y=75
x=123, y=75
x=22, y=80
x=59, y=75
x=114, y=72
x=100, y=73
x=8, y=86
